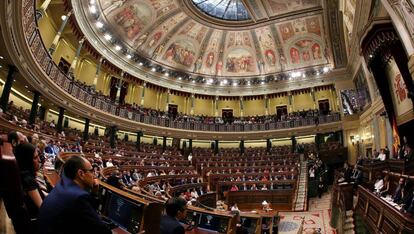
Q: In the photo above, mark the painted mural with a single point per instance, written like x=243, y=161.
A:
x=278, y=7
x=362, y=90
x=180, y=52
x=402, y=103
x=240, y=61
x=159, y=30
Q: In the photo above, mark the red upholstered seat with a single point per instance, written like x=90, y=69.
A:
x=11, y=191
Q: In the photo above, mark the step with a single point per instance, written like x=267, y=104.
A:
x=348, y=226
x=349, y=213
x=349, y=220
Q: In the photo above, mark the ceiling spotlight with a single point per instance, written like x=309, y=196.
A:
x=92, y=2
x=1, y=57
x=303, y=75
x=371, y=56
x=153, y=69
x=262, y=82
x=108, y=37
x=179, y=78
x=118, y=47
x=193, y=81
x=166, y=74
x=1, y=66
x=140, y=63
x=248, y=82
x=26, y=86
x=129, y=56
x=92, y=9
x=317, y=73
x=325, y=69
x=224, y=81
x=234, y=83
x=63, y=17
x=99, y=24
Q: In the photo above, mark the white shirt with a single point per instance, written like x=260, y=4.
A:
x=381, y=157
x=378, y=185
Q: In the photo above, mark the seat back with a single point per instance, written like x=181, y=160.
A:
x=11, y=190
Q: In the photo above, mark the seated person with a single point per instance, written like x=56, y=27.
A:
x=29, y=163
x=346, y=174
x=379, y=184
x=69, y=206
x=356, y=175
x=382, y=156
x=408, y=153
x=402, y=192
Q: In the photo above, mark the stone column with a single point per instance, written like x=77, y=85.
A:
x=75, y=60
x=312, y=94
x=192, y=104
x=138, y=143
x=290, y=101
x=167, y=100
x=112, y=137
x=143, y=93
x=33, y=110
x=164, y=143
x=86, y=130
x=59, y=125
x=59, y=33
x=268, y=145
x=266, y=104
x=98, y=71
x=4, y=100
x=241, y=106
x=190, y=145
x=216, y=99
x=41, y=11
x=242, y=147
x=216, y=146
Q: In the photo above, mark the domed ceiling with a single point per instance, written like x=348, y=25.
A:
x=212, y=38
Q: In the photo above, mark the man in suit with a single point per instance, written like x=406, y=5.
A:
x=176, y=209
x=68, y=208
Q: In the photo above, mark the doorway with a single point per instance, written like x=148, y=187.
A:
x=227, y=115
x=324, y=106
x=281, y=112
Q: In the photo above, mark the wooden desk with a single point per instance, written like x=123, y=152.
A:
x=51, y=176
x=401, y=166
x=249, y=200
x=370, y=169
x=380, y=216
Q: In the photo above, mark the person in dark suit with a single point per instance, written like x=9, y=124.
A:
x=176, y=209
x=68, y=208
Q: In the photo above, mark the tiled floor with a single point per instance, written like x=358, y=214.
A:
x=317, y=217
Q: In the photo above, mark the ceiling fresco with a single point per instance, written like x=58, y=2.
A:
x=163, y=32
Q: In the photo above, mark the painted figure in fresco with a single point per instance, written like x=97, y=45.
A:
x=316, y=51
x=260, y=66
x=294, y=55
x=219, y=67
x=141, y=40
x=180, y=53
x=400, y=89
x=197, y=64
x=306, y=55
x=210, y=59
x=155, y=38
x=270, y=57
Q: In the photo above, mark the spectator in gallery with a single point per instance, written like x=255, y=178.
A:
x=382, y=156
x=69, y=206
x=409, y=154
x=234, y=188
x=175, y=209
x=356, y=175
x=375, y=153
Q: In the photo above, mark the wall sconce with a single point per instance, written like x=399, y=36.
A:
x=355, y=139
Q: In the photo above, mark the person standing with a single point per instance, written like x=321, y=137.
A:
x=68, y=207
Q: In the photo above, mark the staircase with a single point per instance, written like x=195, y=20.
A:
x=349, y=226
x=301, y=196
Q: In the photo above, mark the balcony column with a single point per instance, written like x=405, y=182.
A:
x=118, y=89
x=242, y=147
x=138, y=143
x=215, y=104
x=312, y=94
x=290, y=101
x=167, y=100
x=75, y=60
x=112, y=136
x=241, y=106
x=98, y=72
x=164, y=143
x=86, y=130
x=192, y=104
x=293, y=138
x=59, y=125
x=55, y=41
x=266, y=104
x=4, y=100
x=190, y=145
x=216, y=146
x=41, y=11
x=268, y=145
x=33, y=110
x=143, y=93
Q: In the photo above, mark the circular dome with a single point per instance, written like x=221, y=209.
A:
x=233, y=10
x=287, y=38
